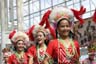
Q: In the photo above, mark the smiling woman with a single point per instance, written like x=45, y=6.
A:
x=37, y=52
x=19, y=56
x=64, y=49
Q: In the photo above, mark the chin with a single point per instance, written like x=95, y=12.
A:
x=39, y=43
x=21, y=49
x=65, y=34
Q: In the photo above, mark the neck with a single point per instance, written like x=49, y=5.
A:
x=19, y=52
x=64, y=37
x=41, y=45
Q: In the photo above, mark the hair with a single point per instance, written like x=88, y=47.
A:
x=61, y=20
x=6, y=50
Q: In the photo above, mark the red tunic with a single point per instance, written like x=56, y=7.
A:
x=33, y=51
x=13, y=59
x=53, y=50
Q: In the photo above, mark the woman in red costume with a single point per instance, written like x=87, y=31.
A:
x=64, y=49
x=37, y=52
x=19, y=56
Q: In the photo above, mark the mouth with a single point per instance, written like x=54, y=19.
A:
x=65, y=31
x=39, y=41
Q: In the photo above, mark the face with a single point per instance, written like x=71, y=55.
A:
x=40, y=37
x=64, y=28
x=20, y=45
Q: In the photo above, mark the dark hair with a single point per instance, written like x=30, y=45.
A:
x=61, y=20
x=6, y=50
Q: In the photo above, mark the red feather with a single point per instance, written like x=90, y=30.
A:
x=30, y=33
x=78, y=14
x=12, y=34
x=94, y=17
x=44, y=17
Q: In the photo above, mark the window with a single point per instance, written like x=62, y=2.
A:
x=45, y=4
x=25, y=10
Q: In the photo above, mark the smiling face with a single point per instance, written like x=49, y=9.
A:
x=40, y=37
x=64, y=28
x=20, y=45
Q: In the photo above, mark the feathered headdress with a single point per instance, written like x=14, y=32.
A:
x=47, y=23
x=59, y=13
x=37, y=29
x=20, y=36
x=44, y=20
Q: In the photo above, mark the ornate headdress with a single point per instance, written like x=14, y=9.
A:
x=44, y=20
x=59, y=13
x=37, y=29
x=20, y=36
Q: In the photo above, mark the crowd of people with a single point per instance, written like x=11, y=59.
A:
x=52, y=41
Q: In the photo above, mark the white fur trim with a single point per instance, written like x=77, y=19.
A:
x=61, y=12
x=38, y=28
x=19, y=34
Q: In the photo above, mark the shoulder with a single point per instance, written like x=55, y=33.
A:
x=32, y=47
x=53, y=41
x=12, y=56
x=76, y=43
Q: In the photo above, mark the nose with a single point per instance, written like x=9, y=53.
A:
x=65, y=27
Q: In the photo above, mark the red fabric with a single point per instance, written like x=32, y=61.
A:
x=12, y=34
x=94, y=17
x=30, y=33
x=78, y=14
x=32, y=51
x=52, y=30
x=13, y=60
x=52, y=51
x=45, y=17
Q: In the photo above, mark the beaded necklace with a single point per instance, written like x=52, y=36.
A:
x=68, y=54
x=41, y=53
x=20, y=57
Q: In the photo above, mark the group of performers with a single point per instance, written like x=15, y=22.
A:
x=52, y=38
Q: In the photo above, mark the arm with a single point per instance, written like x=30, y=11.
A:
x=30, y=60
x=46, y=60
x=49, y=52
x=30, y=53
